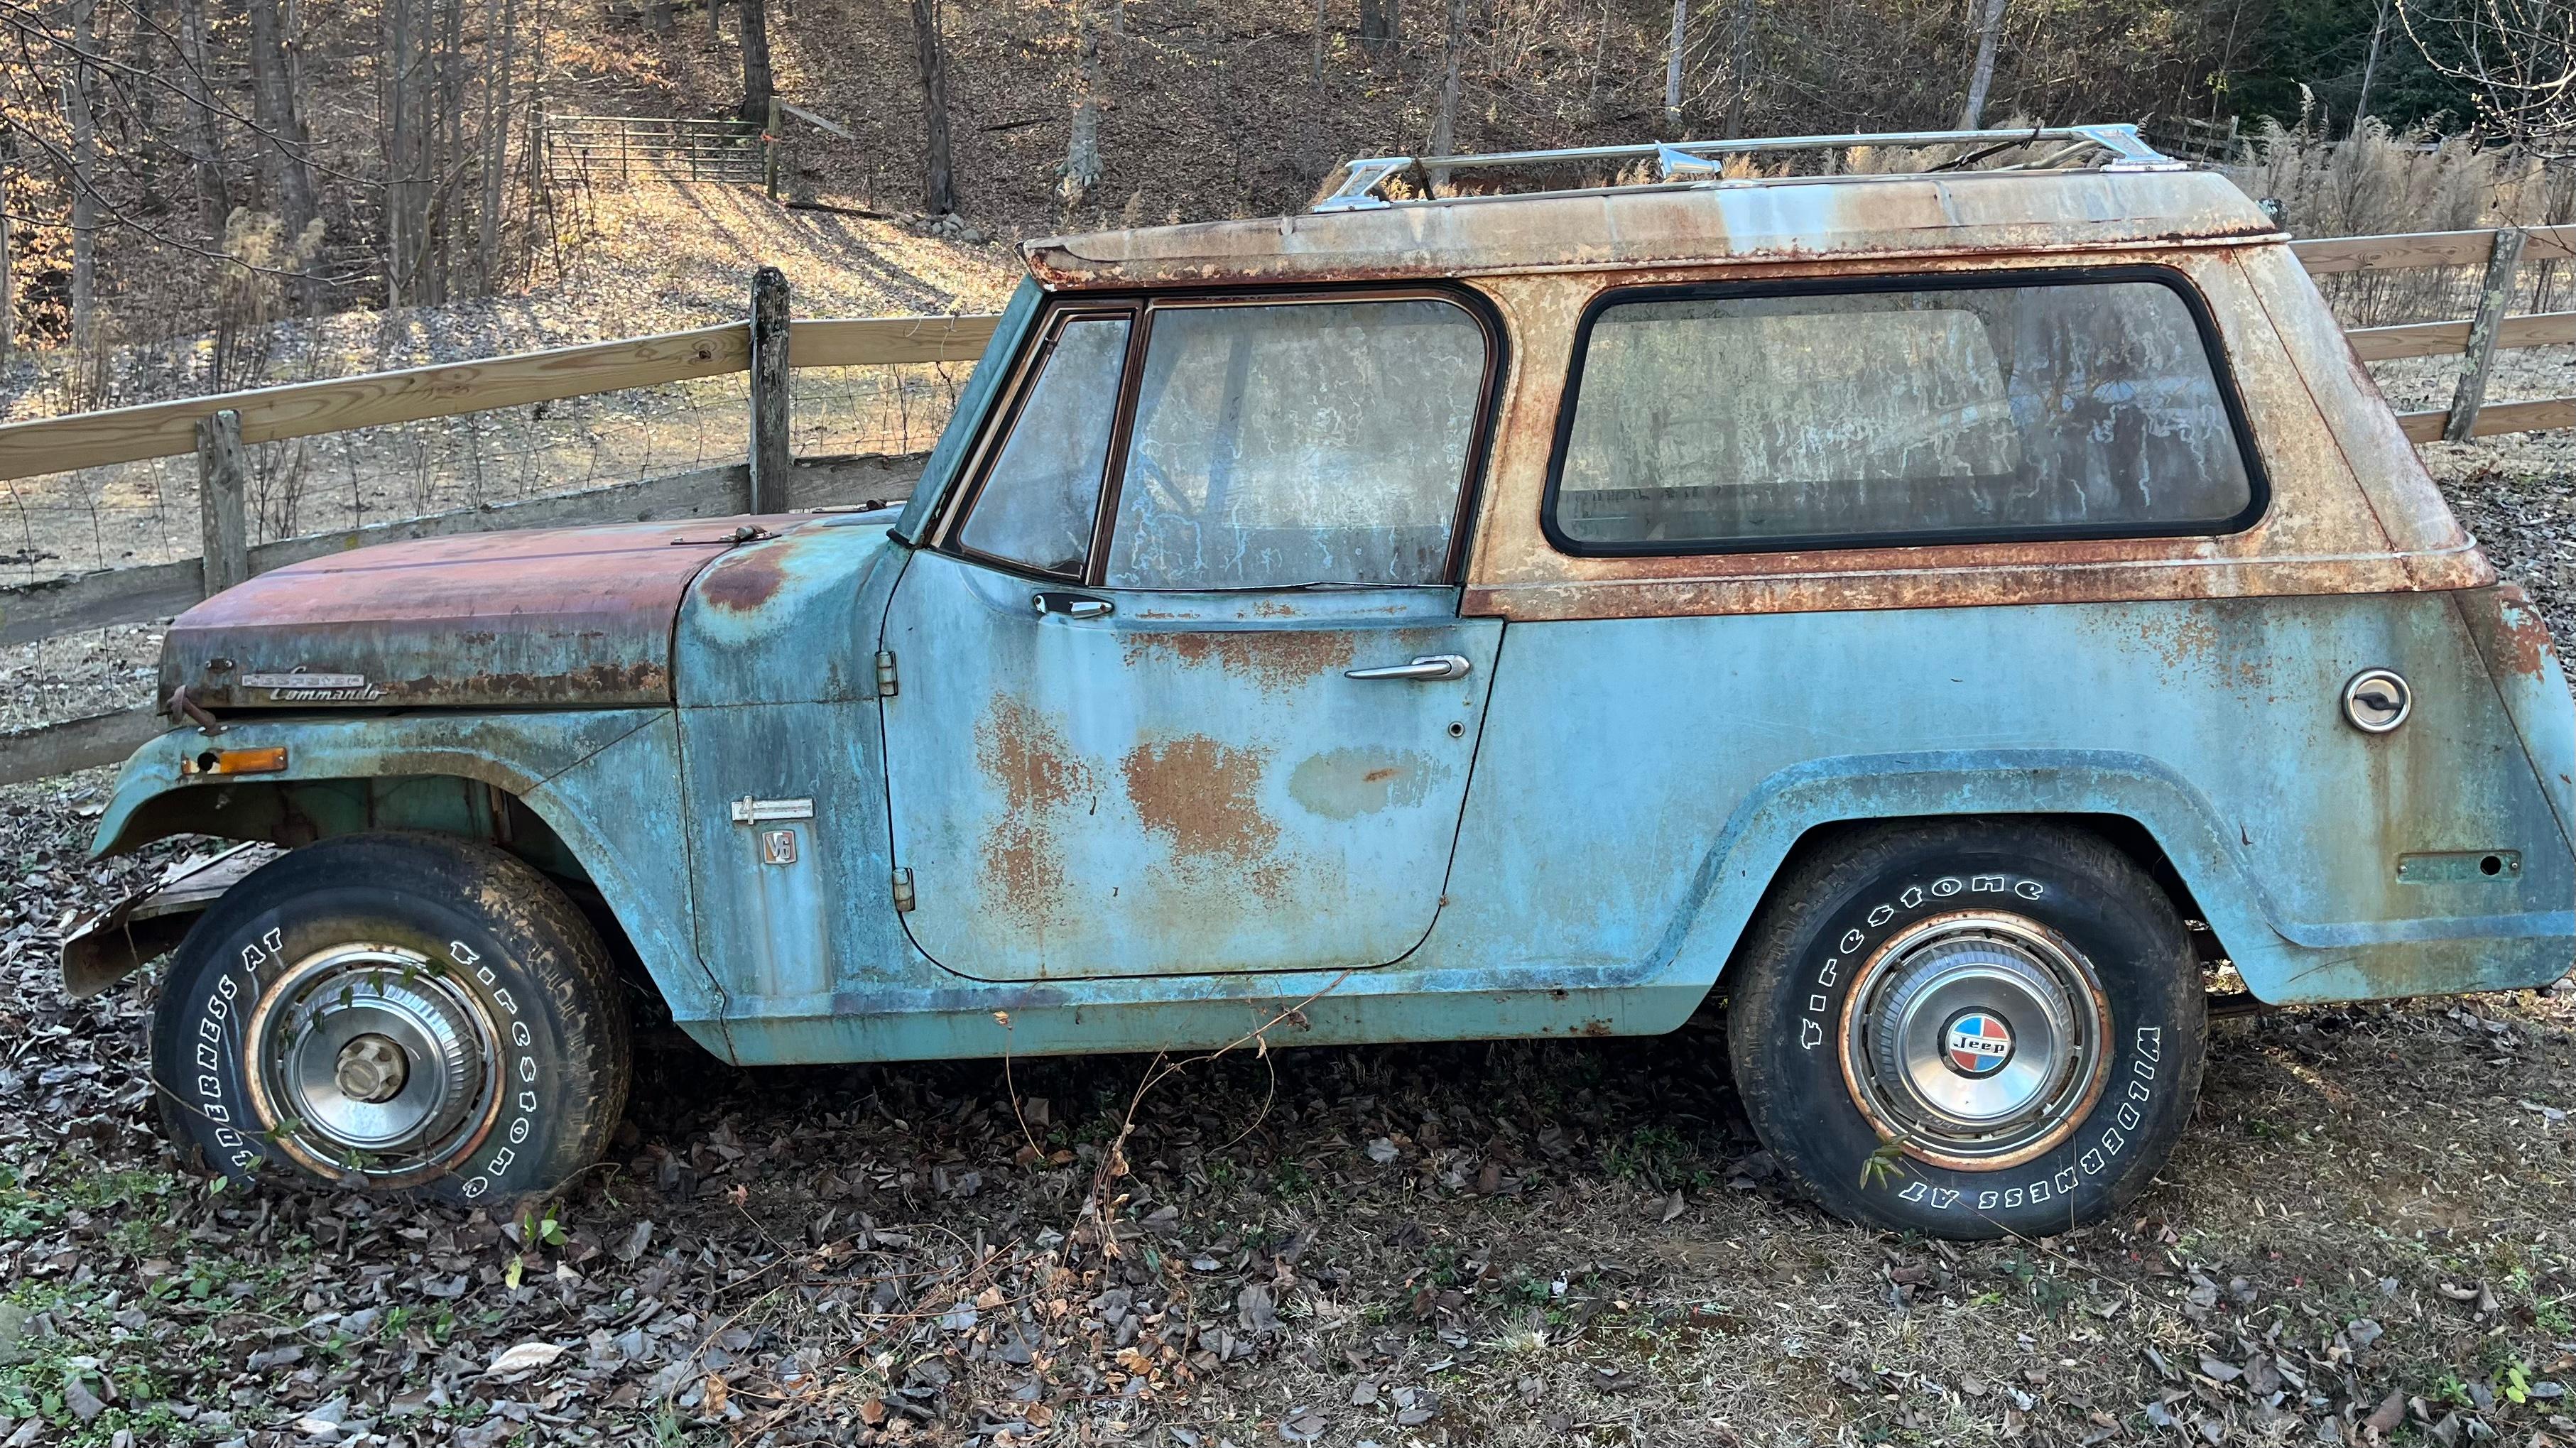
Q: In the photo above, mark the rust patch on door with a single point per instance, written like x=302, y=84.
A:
x=1202, y=796
x=1039, y=775
x=1274, y=659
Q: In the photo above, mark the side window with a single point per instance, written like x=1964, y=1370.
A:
x=1938, y=412
x=1041, y=494
x=1280, y=445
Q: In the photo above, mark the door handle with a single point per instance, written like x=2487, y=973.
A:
x=1427, y=667
x=1070, y=605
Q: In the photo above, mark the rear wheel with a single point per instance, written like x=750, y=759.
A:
x=1969, y=1028
x=394, y=1011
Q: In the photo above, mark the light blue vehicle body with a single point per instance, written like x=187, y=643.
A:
x=1183, y=822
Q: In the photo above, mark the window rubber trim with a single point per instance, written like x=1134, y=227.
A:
x=2258, y=481
x=1139, y=306
x=1028, y=371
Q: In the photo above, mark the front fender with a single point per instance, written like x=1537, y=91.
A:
x=605, y=781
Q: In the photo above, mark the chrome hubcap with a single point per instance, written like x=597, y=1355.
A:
x=1975, y=1039
x=374, y=1063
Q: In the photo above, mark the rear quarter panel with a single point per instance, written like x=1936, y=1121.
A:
x=1641, y=780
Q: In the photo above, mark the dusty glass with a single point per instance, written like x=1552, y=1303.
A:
x=2077, y=408
x=1284, y=445
x=1043, y=492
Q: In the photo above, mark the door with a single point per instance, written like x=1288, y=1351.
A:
x=1183, y=688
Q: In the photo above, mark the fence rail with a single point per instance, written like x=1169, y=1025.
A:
x=595, y=148
x=773, y=479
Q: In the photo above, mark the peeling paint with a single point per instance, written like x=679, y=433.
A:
x=1344, y=784
x=1273, y=658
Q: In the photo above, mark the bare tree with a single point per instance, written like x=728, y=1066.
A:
x=1082, y=143
x=1673, y=66
x=2369, y=69
x=1741, y=38
x=503, y=56
x=1990, y=30
x=758, y=82
x=1444, y=120
x=273, y=83
x=2518, y=57
x=214, y=199
x=939, y=188
x=79, y=93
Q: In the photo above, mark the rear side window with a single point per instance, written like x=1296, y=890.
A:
x=1292, y=444
x=2076, y=405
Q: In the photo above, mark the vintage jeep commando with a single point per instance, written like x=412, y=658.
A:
x=1944, y=607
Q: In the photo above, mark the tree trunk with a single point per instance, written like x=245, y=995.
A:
x=1673, y=66
x=496, y=142
x=1444, y=120
x=715, y=19
x=939, y=189
x=1319, y=43
x=1381, y=25
x=77, y=96
x=406, y=179
x=2369, y=71
x=214, y=199
x=448, y=163
x=658, y=18
x=1600, y=47
x=146, y=99
x=1082, y=142
x=758, y=84
x=273, y=80
x=1990, y=31
x=1740, y=42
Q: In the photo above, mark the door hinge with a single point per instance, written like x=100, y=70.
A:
x=886, y=684
x=902, y=891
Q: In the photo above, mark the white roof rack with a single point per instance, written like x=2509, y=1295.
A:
x=1683, y=161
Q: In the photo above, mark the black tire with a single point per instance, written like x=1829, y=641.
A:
x=473, y=997
x=1864, y=946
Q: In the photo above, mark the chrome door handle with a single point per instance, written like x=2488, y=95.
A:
x=1070, y=605
x=1429, y=666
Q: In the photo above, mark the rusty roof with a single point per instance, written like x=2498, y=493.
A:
x=1714, y=220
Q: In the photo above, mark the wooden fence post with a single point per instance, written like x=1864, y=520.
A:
x=769, y=149
x=2495, y=298
x=219, y=500
x=771, y=457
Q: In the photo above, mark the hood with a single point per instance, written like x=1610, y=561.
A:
x=544, y=618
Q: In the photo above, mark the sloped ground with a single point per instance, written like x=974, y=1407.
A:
x=2365, y=1236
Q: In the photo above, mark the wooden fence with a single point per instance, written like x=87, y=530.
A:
x=770, y=343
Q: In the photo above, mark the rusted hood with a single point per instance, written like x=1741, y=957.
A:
x=542, y=618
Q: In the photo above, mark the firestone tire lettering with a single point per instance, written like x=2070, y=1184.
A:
x=1803, y=960
x=484, y=922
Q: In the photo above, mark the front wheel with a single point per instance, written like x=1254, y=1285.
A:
x=393, y=1011
x=1969, y=1028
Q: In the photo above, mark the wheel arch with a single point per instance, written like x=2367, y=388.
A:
x=2135, y=804
x=585, y=798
